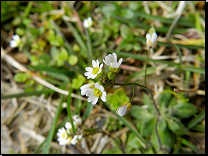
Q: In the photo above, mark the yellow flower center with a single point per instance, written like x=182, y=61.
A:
x=63, y=135
x=95, y=70
x=97, y=92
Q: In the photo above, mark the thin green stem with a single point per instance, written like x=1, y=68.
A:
x=89, y=47
x=145, y=82
x=69, y=110
x=27, y=10
x=133, y=93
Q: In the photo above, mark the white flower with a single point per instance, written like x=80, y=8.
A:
x=151, y=39
x=15, y=42
x=124, y=109
x=87, y=22
x=77, y=119
x=93, y=72
x=85, y=88
x=95, y=93
x=111, y=61
x=76, y=139
x=62, y=136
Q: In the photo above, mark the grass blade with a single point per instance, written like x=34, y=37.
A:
x=193, y=147
x=76, y=35
x=53, y=127
x=147, y=27
x=36, y=151
x=88, y=110
x=183, y=21
x=69, y=110
x=27, y=94
x=67, y=45
x=89, y=47
x=196, y=120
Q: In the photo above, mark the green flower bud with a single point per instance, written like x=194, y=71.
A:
x=152, y=31
x=111, y=75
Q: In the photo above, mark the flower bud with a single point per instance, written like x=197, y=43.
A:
x=124, y=109
x=111, y=75
x=151, y=38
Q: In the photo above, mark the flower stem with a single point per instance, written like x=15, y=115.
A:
x=146, y=68
x=132, y=94
x=89, y=47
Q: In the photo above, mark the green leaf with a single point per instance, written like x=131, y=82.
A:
x=134, y=5
x=126, y=32
x=148, y=101
x=29, y=83
x=140, y=113
x=59, y=76
x=165, y=97
x=184, y=110
x=162, y=124
x=73, y=59
x=132, y=142
x=127, y=13
x=117, y=98
x=148, y=127
x=166, y=137
x=176, y=126
x=109, y=10
x=39, y=87
x=78, y=82
x=20, y=77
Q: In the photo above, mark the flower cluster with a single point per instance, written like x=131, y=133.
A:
x=65, y=134
x=96, y=90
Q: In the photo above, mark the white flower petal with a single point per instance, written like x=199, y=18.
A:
x=115, y=57
x=105, y=62
x=97, y=63
x=154, y=38
x=101, y=88
x=120, y=61
x=13, y=44
x=68, y=125
x=148, y=37
x=97, y=85
x=103, y=97
x=16, y=37
x=94, y=101
x=121, y=110
x=90, y=98
x=93, y=63
x=88, y=68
